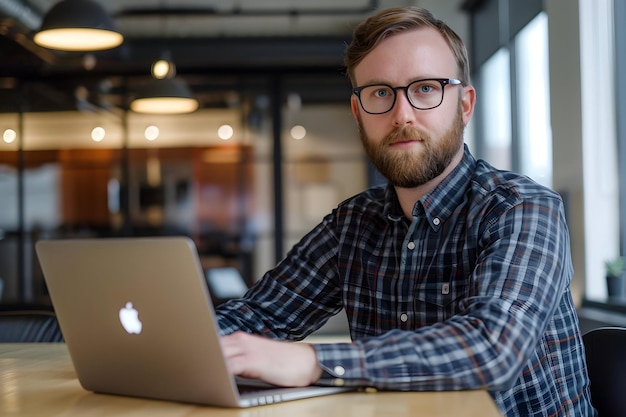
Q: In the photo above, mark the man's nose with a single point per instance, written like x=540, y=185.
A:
x=403, y=112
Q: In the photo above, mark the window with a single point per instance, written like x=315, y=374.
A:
x=533, y=101
x=495, y=110
x=514, y=104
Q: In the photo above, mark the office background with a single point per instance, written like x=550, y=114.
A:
x=273, y=146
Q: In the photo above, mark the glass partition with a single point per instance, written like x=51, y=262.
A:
x=97, y=171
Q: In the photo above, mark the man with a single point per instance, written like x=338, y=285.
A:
x=453, y=276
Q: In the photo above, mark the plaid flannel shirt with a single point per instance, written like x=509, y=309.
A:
x=472, y=293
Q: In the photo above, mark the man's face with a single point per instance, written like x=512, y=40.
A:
x=409, y=168
x=408, y=146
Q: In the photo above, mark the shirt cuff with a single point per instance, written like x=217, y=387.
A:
x=341, y=363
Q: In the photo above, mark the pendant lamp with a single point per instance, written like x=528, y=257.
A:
x=78, y=25
x=164, y=96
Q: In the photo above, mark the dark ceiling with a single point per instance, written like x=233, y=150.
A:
x=217, y=45
x=213, y=43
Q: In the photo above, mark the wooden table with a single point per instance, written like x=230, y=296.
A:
x=38, y=380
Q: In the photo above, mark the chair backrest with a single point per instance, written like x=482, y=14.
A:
x=28, y=325
x=605, y=349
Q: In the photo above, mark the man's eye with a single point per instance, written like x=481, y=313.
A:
x=424, y=89
x=381, y=93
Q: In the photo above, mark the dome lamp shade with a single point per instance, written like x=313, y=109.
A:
x=78, y=25
x=164, y=96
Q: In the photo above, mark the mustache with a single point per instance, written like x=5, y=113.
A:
x=405, y=133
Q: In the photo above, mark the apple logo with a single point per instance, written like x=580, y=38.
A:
x=129, y=317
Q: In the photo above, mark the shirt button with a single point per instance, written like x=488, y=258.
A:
x=404, y=317
x=436, y=221
x=339, y=370
x=411, y=245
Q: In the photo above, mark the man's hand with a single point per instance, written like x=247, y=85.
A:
x=277, y=362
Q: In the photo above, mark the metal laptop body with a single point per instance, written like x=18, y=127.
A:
x=176, y=355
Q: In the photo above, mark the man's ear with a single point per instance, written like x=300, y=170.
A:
x=468, y=101
x=354, y=105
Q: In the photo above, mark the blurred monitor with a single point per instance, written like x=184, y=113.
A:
x=225, y=283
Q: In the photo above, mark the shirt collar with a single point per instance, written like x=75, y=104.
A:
x=439, y=204
x=392, y=210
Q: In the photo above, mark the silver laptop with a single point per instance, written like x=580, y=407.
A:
x=138, y=320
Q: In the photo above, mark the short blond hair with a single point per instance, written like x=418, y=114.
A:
x=369, y=33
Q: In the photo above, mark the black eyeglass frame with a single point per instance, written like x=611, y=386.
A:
x=443, y=81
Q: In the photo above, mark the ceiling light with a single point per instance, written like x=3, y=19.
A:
x=9, y=135
x=163, y=68
x=165, y=96
x=151, y=133
x=78, y=25
x=298, y=132
x=225, y=132
x=97, y=134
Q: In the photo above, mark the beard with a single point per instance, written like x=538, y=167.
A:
x=412, y=168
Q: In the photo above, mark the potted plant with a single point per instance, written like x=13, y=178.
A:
x=616, y=277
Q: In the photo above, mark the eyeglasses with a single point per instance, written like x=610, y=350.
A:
x=422, y=94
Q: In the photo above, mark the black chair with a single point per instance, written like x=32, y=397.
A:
x=29, y=324
x=605, y=349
